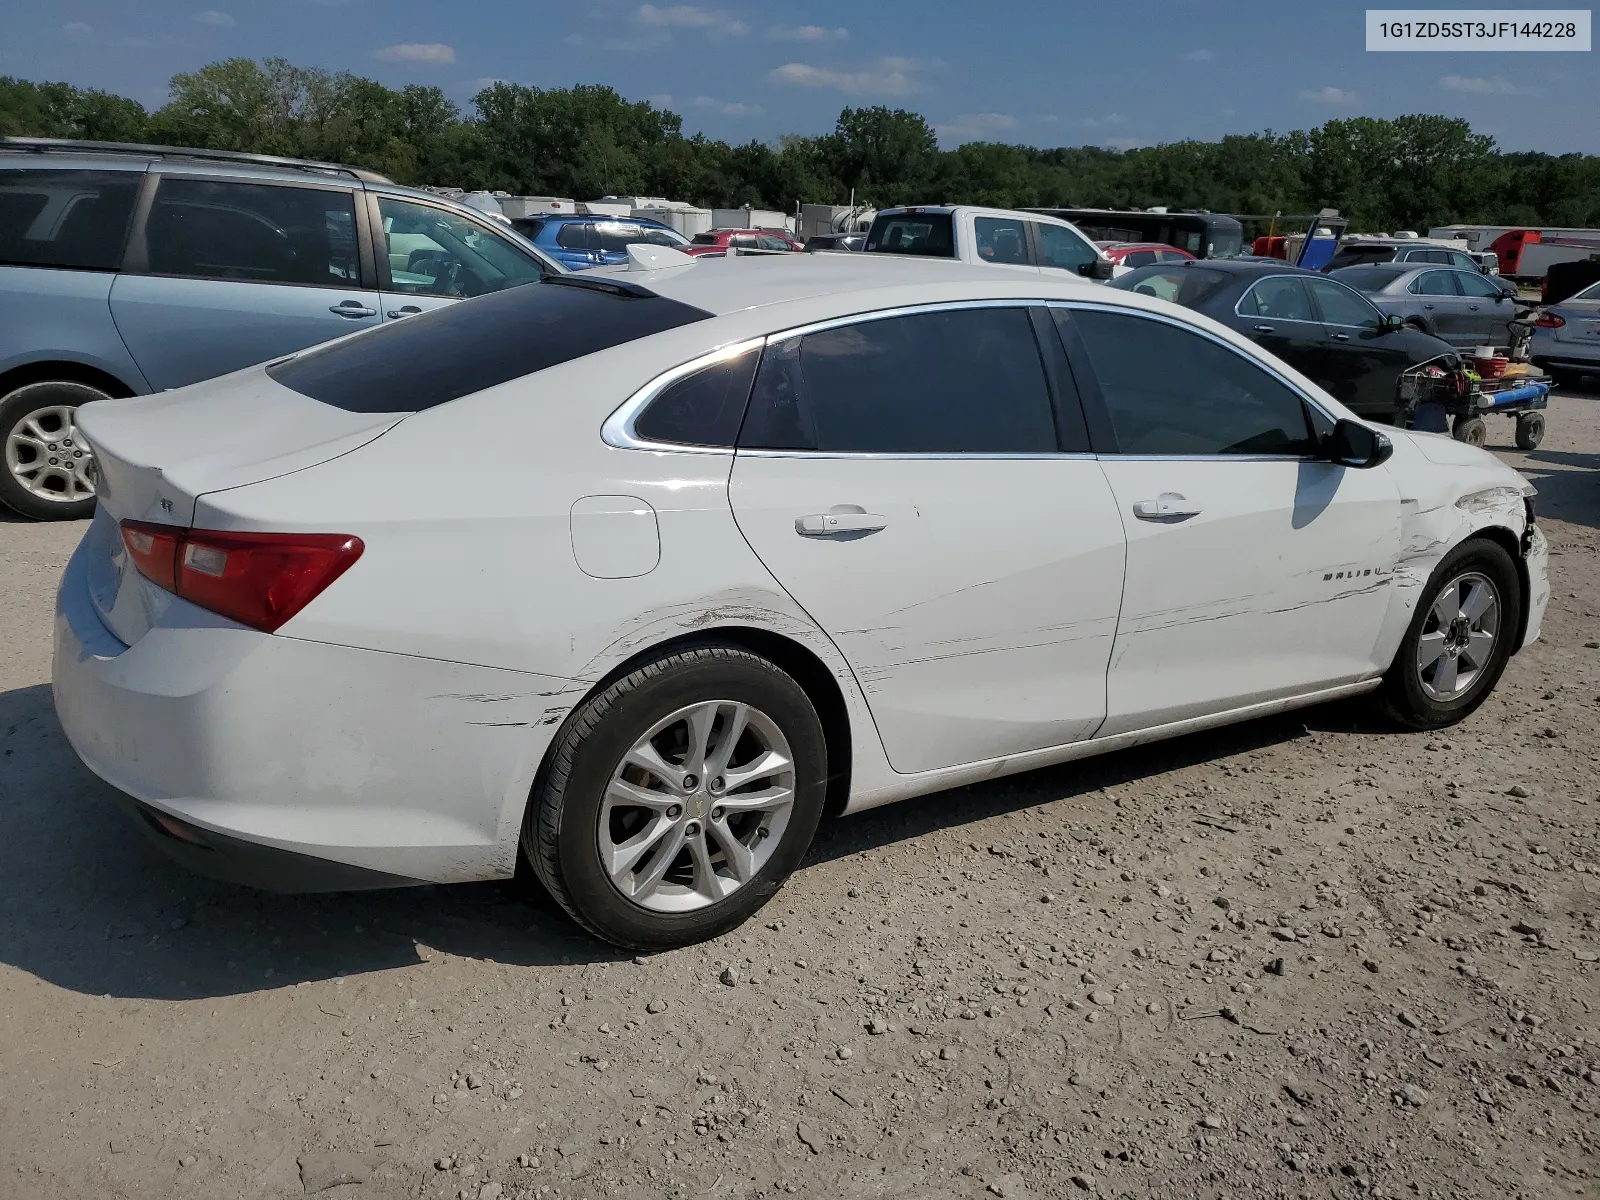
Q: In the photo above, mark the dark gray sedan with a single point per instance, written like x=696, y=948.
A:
x=1566, y=337
x=1463, y=308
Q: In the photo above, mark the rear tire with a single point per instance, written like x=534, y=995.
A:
x=1421, y=694
x=653, y=859
x=45, y=468
x=1530, y=430
x=1470, y=430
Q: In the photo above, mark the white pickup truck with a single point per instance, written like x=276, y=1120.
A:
x=989, y=237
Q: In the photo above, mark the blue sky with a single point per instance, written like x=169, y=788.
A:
x=1120, y=74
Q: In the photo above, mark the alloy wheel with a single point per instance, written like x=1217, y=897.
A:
x=1458, y=637
x=45, y=455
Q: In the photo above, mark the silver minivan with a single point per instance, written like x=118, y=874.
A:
x=129, y=269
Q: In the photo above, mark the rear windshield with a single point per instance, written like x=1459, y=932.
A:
x=420, y=362
x=1366, y=279
x=931, y=234
x=1179, y=282
x=704, y=239
x=1350, y=256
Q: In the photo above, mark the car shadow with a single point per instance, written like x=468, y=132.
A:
x=1568, y=483
x=93, y=907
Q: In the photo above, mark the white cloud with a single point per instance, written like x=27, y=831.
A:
x=417, y=52
x=811, y=33
x=885, y=77
x=574, y=39
x=660, y=99
x=689, y=16
x=1327, y=95
x=1477, y=85
x=1108, y=119
x=220, y=20
x=77, y=29
x=1200, y=55
x=975, y=127
x=727, y=108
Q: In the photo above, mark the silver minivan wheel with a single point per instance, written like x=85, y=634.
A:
x=47, y=471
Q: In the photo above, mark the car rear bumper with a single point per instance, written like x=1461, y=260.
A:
x=277, y=750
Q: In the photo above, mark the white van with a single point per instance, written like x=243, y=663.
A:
x=989, y=237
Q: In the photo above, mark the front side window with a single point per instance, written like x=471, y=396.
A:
x=963, y=381
x=253, y=232
x=1203, y=399
x=435, y=252
x=1062, y=248
x=702, y=409
x=1434, y=283
x=1280, y=297
x=1001, y=240
x=1473, y=284
x=1343, y=306
x=74, y=219
x=929, y=234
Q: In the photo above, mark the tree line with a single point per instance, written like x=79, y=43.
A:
x=587, y=141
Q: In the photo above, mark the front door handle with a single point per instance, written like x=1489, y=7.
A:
x=352, y=308
x=1169, y=506
x=829, y=523
x=1341, y=337
x=1427, y=306
x=405, y=310
x=1265, y=329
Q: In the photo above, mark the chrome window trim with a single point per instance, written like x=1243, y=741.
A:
x=618, y=430
x=1258, y=316
x=912, y=456
x=1226, y=345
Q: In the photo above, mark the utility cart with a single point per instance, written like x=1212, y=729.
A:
x=1442, y=396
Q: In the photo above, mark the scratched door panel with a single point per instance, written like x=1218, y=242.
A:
x=978, y=618
x=1278, y=584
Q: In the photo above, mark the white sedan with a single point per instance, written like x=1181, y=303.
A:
x=640, y=574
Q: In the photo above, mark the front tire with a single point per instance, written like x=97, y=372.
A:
x=46, y=470
x=678, y=800
x=1470, y=430
x=1459, y=639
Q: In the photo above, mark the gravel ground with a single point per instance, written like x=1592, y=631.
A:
x=1304, y=957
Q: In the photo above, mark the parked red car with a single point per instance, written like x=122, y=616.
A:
x=718, y=241
x=1129, y=255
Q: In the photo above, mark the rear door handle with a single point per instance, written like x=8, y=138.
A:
x=1265, y=329
x=1169, y=506
x=408, y=310
x=352, y=308
x=1427, y=306
x=1341, y=337
x=826, y=524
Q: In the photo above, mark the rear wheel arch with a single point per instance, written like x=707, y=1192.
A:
x=67, y=372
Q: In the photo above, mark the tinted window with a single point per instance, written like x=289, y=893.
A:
x=1139, y=258
x=705, y=239
x=435, y=252
x=1428, y=256
x=1349, y=256
x=1281, y=297
x=576, y=235
x=772, y=242
x=66, y=218
x=1342, y=306
x=1366, y=279
x=1204, y=399
x=968, y=381
x=262, y=233
x=1473, y=284
x=1001, y=240
x=913, y=233
x=463, y=348
x=1061, y=247
x=1434, y=283
x=1187, y=285
x=703, y=409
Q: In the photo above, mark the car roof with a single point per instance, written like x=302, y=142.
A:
x=76, y=153
x=977, y=210
x=1233, y=266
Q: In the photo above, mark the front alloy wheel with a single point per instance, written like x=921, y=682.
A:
x=1459, y=637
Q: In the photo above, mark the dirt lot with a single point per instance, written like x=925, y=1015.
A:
x=1305, y=957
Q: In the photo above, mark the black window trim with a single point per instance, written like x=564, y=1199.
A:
x=618, y=430
x=1101, y=432
x=1304, y=289
x=136, y=260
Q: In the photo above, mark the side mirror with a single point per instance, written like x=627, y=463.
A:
x=1352, y=444
x=1391, y=322
x=1099, y=268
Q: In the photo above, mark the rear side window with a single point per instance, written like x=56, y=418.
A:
x=76, y=219
x=1434, y=283
x=576, y=235
x=1001, y=240
x=255, y=232
x=967, y=381
x=1205, y=399
x=464, y=348
x=930, y=234
x=702, y=409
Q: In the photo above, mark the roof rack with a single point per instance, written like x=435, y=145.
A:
x=45, y=145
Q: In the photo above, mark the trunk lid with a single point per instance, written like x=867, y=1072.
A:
x=1583, y=321
x=156, y=455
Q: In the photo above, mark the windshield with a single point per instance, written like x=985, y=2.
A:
x=1224, y=243
x=1592, y=292
x=931, y=234
x=1178, y=282
x=1366, y=279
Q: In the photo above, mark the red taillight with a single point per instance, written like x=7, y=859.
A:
x=257, y=579
x=1550, y=320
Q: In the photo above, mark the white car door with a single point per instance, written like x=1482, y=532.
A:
x=1256, y=569
x=903, y=478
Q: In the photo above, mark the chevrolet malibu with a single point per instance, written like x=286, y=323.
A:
x=639, y=574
